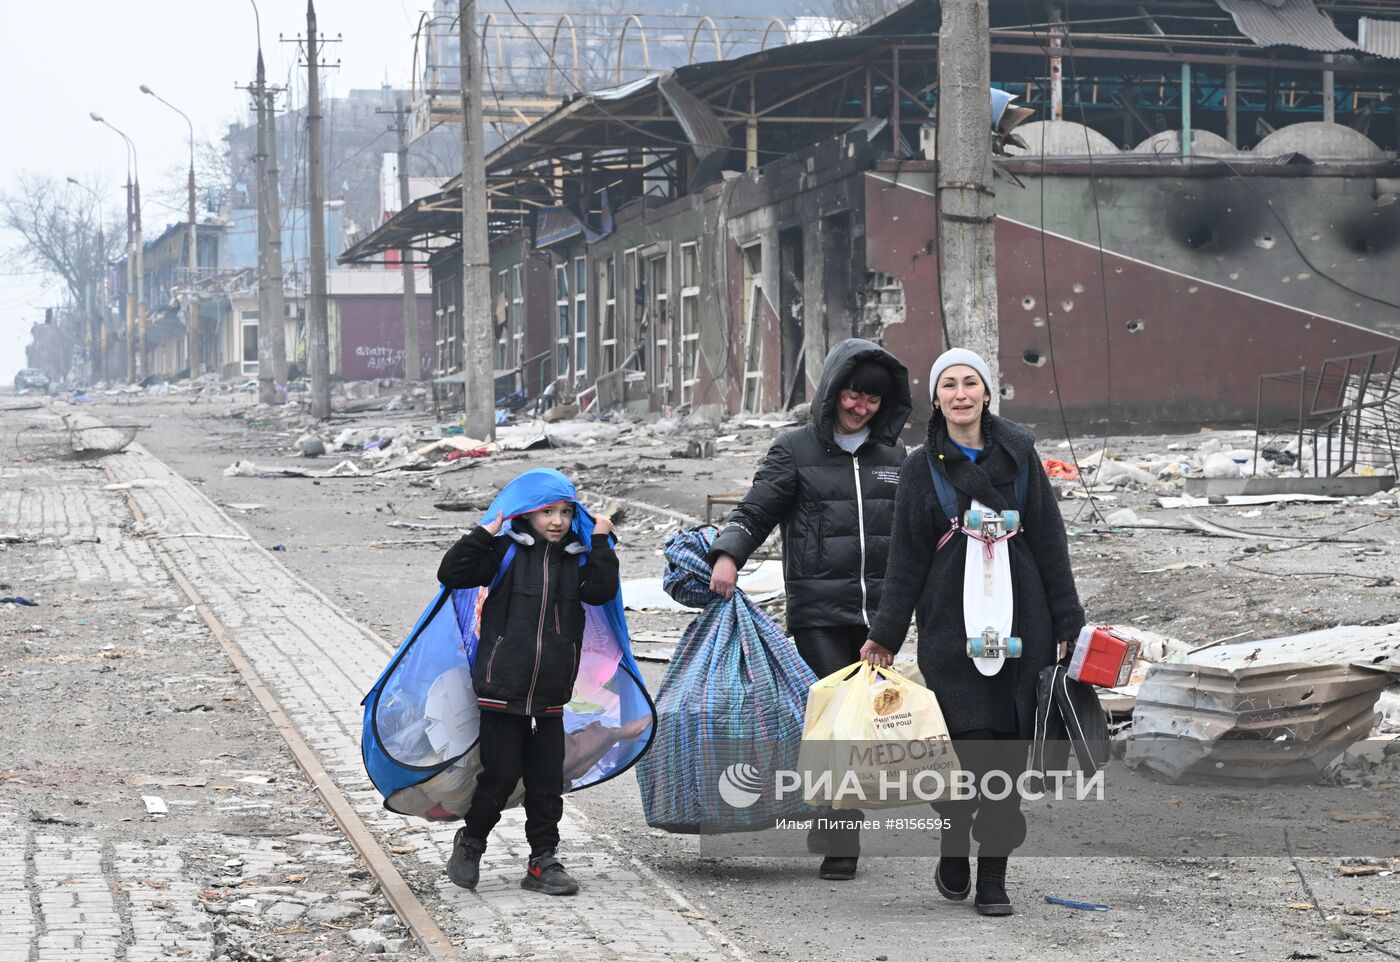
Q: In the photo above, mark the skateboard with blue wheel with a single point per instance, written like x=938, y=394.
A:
x=988, y=601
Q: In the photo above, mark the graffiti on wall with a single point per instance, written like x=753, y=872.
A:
x=381, y=358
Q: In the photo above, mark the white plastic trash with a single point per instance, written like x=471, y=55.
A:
x=1222, y=465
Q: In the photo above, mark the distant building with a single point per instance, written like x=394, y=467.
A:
x=698, y=239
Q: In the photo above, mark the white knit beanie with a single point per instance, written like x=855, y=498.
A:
x=952, y=358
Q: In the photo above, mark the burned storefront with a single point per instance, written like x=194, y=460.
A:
x=1206, y=196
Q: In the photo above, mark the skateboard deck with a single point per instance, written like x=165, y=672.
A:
x=988, y=603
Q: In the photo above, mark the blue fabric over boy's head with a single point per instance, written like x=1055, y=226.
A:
x=539, y=488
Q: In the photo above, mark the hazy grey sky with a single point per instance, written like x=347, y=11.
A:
x=60, y=61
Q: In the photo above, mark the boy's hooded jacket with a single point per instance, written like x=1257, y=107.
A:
x=836, y=509
x=532, y=623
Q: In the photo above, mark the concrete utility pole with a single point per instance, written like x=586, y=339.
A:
x=318, y=348
x=412, y=365
x=967, y=213
x=277, y=285
x=130, y=289
x=142, y=360
x=267, y=222
x=477, y=362
x=191, y=304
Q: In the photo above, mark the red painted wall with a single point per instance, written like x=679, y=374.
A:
x=371, y=336
x=1174, y=349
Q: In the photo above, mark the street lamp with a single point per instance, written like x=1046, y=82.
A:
x=97, y=345
x=136, y=314
x=191, y=309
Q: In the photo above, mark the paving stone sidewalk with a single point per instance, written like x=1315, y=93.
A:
x=318, y=662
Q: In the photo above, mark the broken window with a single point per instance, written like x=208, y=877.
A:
x=501, y=322
x=636, y=305
x=751, y=399
x=608, y=338
x=580, y=318
x=561, y=304
x=517, y=319
x=690, y=320
x=249, y=320
x=659, y=319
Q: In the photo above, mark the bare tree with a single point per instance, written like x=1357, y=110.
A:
x=59, y=226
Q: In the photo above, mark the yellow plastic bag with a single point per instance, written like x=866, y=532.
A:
x=874, y=739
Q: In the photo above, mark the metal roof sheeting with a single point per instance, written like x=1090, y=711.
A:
x=1286, y=23
x=1380, y=38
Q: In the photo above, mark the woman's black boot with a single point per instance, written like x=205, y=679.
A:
x=953, y=876
x=991, y=886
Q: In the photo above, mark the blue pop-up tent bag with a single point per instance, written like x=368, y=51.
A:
x=421, y=717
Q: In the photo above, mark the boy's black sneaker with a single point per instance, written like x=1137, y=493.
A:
x=464, y=867
x=546, y=874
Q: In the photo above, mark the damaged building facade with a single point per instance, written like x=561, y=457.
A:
x=1208, y=197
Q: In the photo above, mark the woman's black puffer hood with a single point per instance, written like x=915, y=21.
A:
x=836, y=372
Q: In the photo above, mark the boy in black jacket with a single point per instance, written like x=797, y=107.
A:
x=531, y=633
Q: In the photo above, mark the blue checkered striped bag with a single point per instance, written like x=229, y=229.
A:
x=730, y=710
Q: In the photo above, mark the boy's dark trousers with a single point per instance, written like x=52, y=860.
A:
x=512, y=747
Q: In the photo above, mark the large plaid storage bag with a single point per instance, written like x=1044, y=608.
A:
x=729, y=712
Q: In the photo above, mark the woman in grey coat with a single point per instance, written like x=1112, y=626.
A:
x=990, y=718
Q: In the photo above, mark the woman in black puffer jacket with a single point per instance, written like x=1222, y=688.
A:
x=990, y=718
x=831, y=485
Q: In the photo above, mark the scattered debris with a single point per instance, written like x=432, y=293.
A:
x=1240, y=500
x=137, y=483
x=420, y=526
x=1375, y=647
x=1339, y=487
x=1072, y=904
x=1118, y=473
x=169, y=781
x=1201, y=721
x=18, y=600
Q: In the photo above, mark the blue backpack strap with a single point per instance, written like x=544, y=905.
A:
x=505, y=563
x=947, y=496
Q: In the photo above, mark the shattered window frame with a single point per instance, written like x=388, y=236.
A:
x=561, y=335
x=248, y=320
x=636, y=304
x=607, y=289
x=517, y=316
x=752, y=255
x=580, y=333
x=503, y=329
x=690, y=319
x=658, y=307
